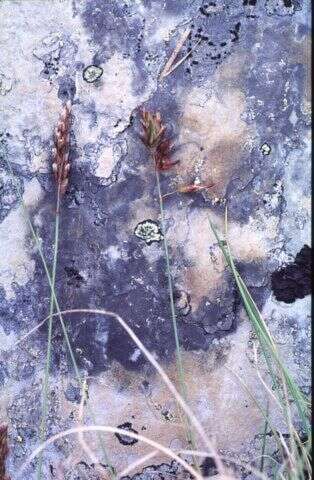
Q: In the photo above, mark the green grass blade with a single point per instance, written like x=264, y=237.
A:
x=264, y=440
x=46, y=393
x=58, y=309
x=179, y=362
x=267, y=344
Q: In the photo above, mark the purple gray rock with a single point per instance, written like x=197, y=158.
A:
x=238, y=111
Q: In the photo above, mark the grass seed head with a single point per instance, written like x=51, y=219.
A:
x=4, y=450
x=153, y=128
x=60, y=165
x=153, y=137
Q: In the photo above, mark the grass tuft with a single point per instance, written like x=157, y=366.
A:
x=283, y=383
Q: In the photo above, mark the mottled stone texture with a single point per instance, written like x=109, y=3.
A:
x=238, y=111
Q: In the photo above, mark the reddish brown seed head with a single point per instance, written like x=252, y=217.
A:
x=4, y=450
x=60, y=165
x=153, y=129
x=153, y=137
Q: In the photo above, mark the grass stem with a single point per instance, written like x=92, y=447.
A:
x=46, y=393
x=58, y=310
x=180, y=368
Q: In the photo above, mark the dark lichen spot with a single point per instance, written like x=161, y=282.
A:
x=235, y=32
x=124, y=439
x=145, y=384
x=74, y=277
x=167, y=415
x=67, y=89
x=294, y=280
x=204, y=11
x=208, y=467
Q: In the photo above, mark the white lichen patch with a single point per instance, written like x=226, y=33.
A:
x=135, y=355
x=16, y=264
x=92, y=73
x=113, y=254
x=106, y=162
x=148, y=231
x=265, y=149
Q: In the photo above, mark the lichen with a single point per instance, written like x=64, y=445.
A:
x=92, y=73
x=265, y=149
x=149, y=231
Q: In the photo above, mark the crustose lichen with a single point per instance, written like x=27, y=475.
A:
x=149, y=231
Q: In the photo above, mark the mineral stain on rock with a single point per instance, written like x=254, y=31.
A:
x=294, y=280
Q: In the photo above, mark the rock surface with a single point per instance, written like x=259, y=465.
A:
x=238, y=111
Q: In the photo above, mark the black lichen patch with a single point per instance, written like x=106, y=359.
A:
x=252, y=3
x=74, y=277
x=124, y=439
x=208, y=467
x=294, y=280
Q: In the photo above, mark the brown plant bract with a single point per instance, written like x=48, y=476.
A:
x=153, y=137
x=60, y=165
x=194, y=188
x=4, y=450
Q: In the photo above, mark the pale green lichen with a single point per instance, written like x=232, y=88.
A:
x=149, y=231
x=92, y=73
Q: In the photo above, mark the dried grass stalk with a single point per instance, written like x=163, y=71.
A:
x=168, y=67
